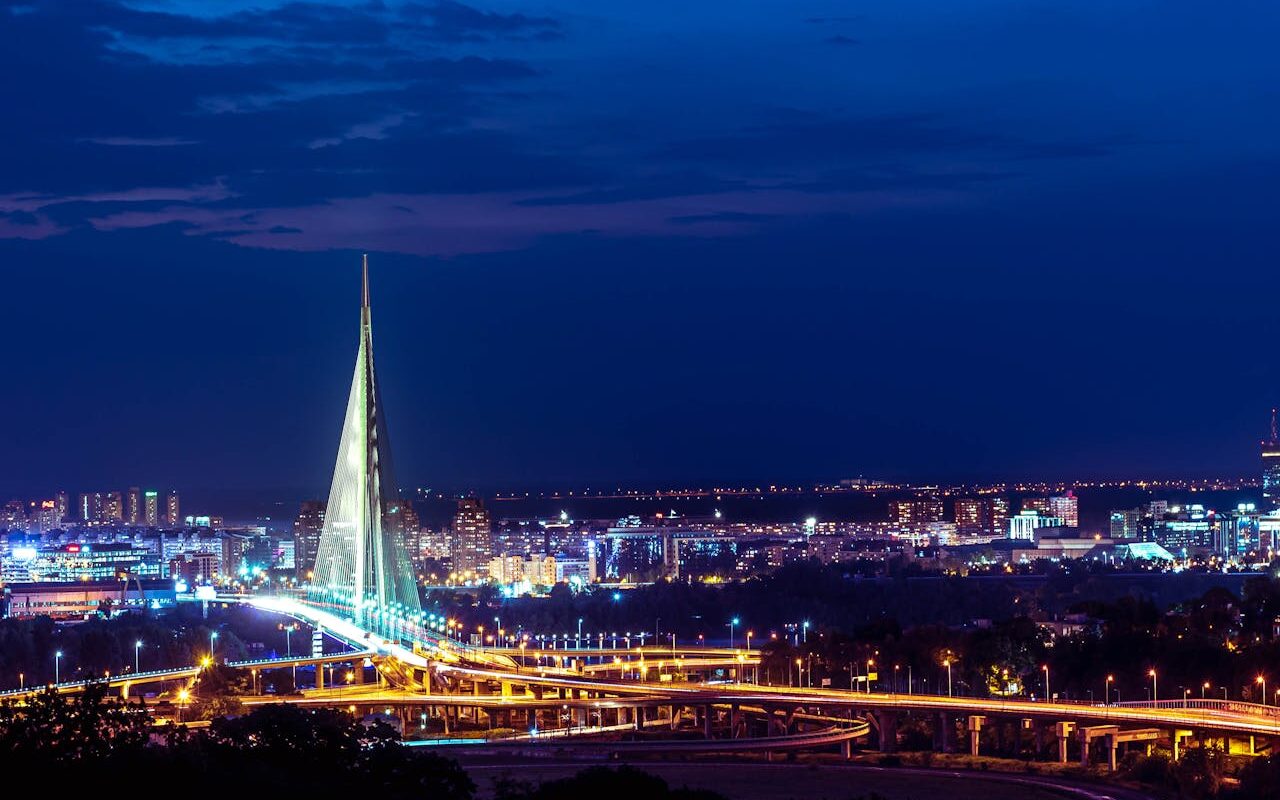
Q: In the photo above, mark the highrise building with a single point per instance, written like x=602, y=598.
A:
x=470, y=546
x=973, y=516
x=1066, y=508
x=89, y=507
x=1271, y=469
x=62, y=506
x=173, y=511
x=914, y=512
x=307, y=527
x=151, y=508
x=999, y=515
x=113, y=508
x=133, y=506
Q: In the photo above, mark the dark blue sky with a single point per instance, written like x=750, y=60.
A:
x=638, y=242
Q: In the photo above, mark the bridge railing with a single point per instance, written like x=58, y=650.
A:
x=1226, y=706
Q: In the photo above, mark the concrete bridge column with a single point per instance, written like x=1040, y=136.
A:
x=1178, y=736
x=888, y=725
x=1063, y=731
x=1113, y=745
x=733, y=720
x=706, y=721
x=942, y=733
x=976, y=722
x=319, y=676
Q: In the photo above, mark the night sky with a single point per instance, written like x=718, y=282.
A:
x=638, y=243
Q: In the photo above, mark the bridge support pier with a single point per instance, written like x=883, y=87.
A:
x=942, y=733
x=887, y=722
x=976, y=723
x=1063, y=731
x=706, y=721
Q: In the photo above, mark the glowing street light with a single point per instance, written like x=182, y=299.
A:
x=946, y=662
x=183, y=695
x=213, y=637
x=57, y=657
x=1155, y=686
x=1263, y=682
x=731, y=623
x=1047, y=697
x=137, y=648
x=1106, y=693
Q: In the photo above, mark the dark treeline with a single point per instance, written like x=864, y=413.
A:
x=95, y=745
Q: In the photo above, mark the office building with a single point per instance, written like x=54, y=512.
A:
x=1024, y=525
x=1127, y=524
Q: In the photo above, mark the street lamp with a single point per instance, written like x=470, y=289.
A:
x=1263, y=681
x=57, y=657
x=732, y=622
x=1204, y=687
x=1110, y=680
x=806, y=630
x=799, y=672
x=578, y=646
x=749, y=634
x=182, y=702
x=946, y=662
x=1155, y=686
x=1047, y=697
x=213, y=637
x=137, y=647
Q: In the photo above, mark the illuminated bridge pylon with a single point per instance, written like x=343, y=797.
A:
x=361, y=564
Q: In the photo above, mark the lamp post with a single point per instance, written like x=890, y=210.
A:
x=1155, y=686
x=137, y=648
x=806, y=631
x=22, y=681
x=213, y=637
x=1047, y=697
x=870, y=664
x=1204, y=687
x=799, y=672
x=182, y=702
x=578, y=645
x=1110, y=679
x=732, y=622
x=57, y=657
x=749, y=634
x=1263, y=681
x=947, y=663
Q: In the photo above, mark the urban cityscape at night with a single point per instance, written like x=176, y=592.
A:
x=772, y=400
